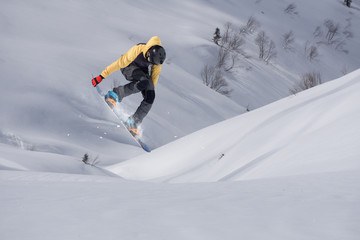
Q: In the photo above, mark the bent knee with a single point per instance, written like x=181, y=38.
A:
x=150, y=96
x=142, y=85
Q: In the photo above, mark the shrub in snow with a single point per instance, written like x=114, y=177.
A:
x=331, y=33
x=291, y=9
x=332, y=29
x=266, y=47
x=307, y=80
x=288, y=41
x=251, y=25
x=231, y=40
x=217, y=36
x=85, y=158
x=92, y=162
x=213, y=78
x=347, y=2
x=311, y=51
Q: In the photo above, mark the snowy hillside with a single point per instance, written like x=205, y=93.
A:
x=288, y=169
x=51, y=50
x=315, y=131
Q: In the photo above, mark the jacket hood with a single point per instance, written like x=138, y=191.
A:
x=152, y=42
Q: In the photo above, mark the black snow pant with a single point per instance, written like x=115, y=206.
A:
x=140, y=81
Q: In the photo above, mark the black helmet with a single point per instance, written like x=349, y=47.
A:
x=157, y=55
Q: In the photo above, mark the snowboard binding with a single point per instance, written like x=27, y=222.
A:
x=132, y=127
x=111, y=98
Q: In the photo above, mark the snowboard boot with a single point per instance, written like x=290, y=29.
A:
x=132, y=126
x=111, y=98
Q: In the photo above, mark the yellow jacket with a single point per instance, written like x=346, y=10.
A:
x=131, y=55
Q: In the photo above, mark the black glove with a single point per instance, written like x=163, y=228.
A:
x=95, y=81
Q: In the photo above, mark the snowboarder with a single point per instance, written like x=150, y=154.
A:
x=134, y=65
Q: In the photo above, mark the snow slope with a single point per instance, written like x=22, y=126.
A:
x=289, y=170
x=50, y=50
x=63, y=206
x=315, y=131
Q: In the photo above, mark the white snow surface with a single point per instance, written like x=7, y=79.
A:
x=288, y=169
x=304, y=134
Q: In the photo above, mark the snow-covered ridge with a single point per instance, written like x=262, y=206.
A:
x=315, y=131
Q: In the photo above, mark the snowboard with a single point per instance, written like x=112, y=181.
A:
x=118, y=116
